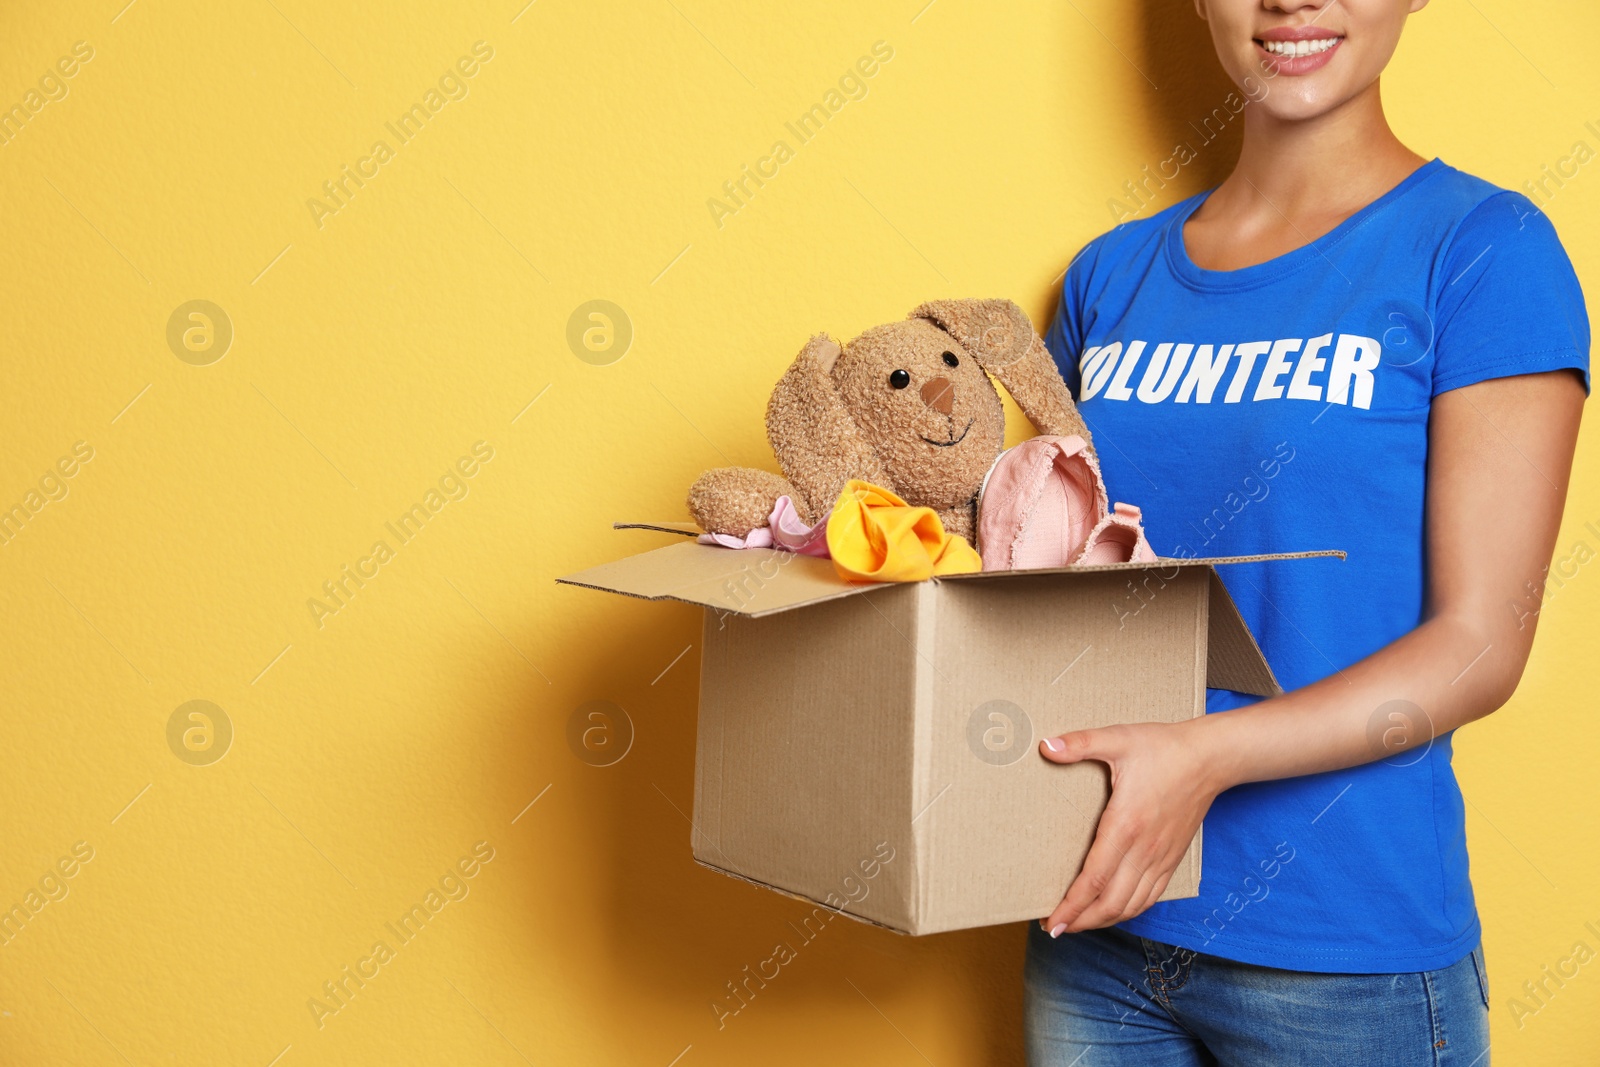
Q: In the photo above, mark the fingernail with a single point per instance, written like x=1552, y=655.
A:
x=1058, y=929
x=1053, y=744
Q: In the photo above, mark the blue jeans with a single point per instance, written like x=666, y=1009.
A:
x=1104, y=998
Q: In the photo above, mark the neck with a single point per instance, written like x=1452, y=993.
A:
x=1348, y=155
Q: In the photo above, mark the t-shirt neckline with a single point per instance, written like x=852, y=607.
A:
x=1197, y=277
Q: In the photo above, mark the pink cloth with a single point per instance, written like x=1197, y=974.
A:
x=760, y=537
x=793, y=535
x=784, y=531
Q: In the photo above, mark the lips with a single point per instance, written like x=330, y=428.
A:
x=1296, y=50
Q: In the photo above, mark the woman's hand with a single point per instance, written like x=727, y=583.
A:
x=1162, y=785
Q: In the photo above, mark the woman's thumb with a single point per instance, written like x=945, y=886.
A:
x=1071, y=747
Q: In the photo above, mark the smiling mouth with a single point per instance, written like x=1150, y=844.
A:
x=953, y=440
x=1298, y=49
x=1300, y=54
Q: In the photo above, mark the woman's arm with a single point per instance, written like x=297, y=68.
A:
x=1500, y=453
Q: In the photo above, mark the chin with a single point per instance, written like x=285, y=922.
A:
x=1305, y=97
x=1300, y=106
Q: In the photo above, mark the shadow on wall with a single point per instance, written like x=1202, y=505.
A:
x=685, y=937
x=1189, y=130
x=1196, y=119
x=693, y=943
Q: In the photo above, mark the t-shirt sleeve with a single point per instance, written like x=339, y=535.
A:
x=1064, y=339
x=1509, y=301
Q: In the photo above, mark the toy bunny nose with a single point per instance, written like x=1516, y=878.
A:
x=939, y=395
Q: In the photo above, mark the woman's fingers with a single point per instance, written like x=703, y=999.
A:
x=1152, y=890
x=1098, y=868
x=1129, y=891
x=1158, y=800
x=1130, y=882
x=1105, y=859
x=1109, y=872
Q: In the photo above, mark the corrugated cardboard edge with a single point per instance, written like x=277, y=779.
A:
x=689, y=529
x=1162, y=563
x=924, y=643
x=1205, y=612
x=799, y=896
x=706, y=826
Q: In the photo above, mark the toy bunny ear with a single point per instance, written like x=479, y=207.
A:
x=995, y=332
x=814, y=436
x=999, y=336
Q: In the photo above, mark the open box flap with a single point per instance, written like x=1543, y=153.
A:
x=746, y=581
x=1233, y=659
x=689, y=529
x=764, y=581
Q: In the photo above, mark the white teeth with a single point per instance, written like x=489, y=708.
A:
x=1292, y=49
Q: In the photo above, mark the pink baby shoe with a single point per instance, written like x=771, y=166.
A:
x=1044, y=504
x=1039, y=504
x=1118, y=538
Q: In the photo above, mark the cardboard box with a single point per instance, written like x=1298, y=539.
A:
x=842, y=723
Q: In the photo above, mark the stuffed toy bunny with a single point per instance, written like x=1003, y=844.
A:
x=906, y=406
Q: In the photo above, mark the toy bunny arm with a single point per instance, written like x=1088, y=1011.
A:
x=735, y=500
x=816, y=439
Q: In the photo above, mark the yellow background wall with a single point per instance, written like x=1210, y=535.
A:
x=374, y=346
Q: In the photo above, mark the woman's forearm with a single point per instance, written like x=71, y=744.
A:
x=1447, y=672
x=1500, y=455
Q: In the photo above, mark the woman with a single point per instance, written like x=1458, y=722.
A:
x=1343, y=345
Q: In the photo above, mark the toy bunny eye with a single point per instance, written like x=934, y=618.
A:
x=899, y=379
x=950, y=360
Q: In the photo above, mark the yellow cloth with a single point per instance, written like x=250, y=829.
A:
x=874, y=536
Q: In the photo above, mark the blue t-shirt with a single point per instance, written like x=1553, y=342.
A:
x=1284, y=406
